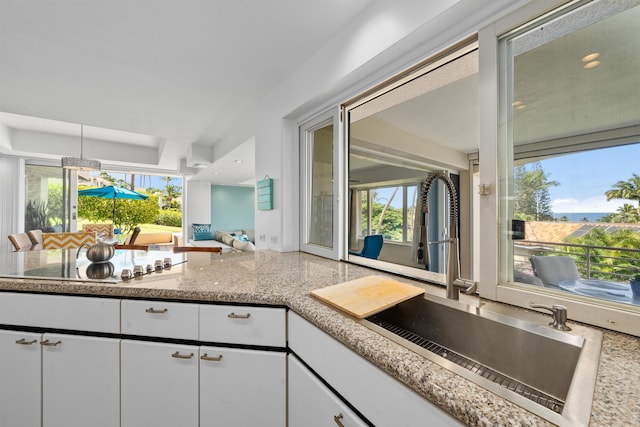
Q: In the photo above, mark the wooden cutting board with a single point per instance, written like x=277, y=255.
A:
x=366, y=296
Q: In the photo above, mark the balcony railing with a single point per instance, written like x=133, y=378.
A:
x=593, y=262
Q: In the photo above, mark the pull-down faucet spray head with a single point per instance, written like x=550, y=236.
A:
x=454, y=283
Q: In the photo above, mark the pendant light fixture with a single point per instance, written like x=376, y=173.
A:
x=81, y=163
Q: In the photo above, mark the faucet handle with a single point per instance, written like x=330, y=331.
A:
x=468, y=286
x=559, y=313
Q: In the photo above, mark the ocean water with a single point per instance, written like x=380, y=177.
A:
x=579, y=216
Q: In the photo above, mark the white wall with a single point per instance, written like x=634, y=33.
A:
x=388, y=37
x=198, y=206
x=12, y=196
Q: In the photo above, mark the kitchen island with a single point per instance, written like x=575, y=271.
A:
x=286, y=279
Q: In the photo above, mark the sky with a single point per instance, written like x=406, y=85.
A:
x=585, y=177
x=147, y=181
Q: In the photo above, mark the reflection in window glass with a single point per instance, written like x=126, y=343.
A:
x=389, y=211
x=43, y=198
x=321, y=225
x=573, y=108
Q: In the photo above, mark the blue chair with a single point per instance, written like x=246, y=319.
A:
x=371, y=248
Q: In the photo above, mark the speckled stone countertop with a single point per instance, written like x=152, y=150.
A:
x=268, y=277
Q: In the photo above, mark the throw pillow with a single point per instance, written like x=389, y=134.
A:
x=243, y=246
x=201, y=228
x=202, y=235
x=242, y=237
x=228, y=239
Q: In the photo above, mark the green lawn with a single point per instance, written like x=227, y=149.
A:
x=144, y=228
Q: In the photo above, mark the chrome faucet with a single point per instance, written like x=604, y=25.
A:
x=454, y=282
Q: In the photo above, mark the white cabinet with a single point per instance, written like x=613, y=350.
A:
x=312, y=404
x=20, y=379
x=80, y=381
x=160, y=319
x=240, y=387
x=380, y=398
x=159, y=384
x=59, y=380
x=265, y=326
x=60, y=312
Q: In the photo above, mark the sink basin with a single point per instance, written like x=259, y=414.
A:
x=548, y=372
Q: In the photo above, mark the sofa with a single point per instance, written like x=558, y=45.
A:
x=229, y=241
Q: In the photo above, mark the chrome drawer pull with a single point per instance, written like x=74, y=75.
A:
x=177, y=355
x=337, y=419
x=154, y=311
x=239, y=316
x=22, y=341
x=50, y=344
x=211, y=358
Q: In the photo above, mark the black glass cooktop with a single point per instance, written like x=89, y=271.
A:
x=62, y=264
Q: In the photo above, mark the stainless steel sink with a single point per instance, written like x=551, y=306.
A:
x=546, y=371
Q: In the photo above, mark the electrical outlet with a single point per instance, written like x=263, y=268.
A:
x=274, y=240
x=262, y=237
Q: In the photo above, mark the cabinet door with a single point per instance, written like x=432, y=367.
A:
x=20, y=373
x=312, y=404
x=159, y=384
x=80, y=381
x=242, y=387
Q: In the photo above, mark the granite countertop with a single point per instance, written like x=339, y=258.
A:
x=268, y=277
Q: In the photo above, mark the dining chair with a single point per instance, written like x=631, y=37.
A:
x=68, y=240
x=554, y=269
x=179, y=249
x=35, y=236
x=20, y=241
x=371, y=247
x=106, y=230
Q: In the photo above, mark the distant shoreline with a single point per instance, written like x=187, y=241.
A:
x=580, y=216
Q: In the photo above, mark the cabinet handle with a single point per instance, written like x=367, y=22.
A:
x=211, y=358
x=22, y=341
x=177, y=355
x=154, y=311
x=337, y=419
x=47, y=343
x=238, y=316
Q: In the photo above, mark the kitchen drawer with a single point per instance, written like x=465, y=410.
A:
x=243, y=325
x=60, y=312
x=160, y=319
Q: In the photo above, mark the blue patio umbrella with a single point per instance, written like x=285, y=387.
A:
x=112, y=192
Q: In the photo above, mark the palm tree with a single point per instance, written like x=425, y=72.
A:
x=627, y=190
x=627, y=213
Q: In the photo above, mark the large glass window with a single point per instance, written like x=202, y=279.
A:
x=421, y=121
x=571, y=102
x=43, y=198
x=388, y=211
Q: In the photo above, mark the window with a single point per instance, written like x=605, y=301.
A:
x=318, y=178
x=570, y=101
x=43, y=198
x=422, y=120
x=389, y=211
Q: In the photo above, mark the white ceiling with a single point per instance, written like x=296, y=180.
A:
x=148, y=78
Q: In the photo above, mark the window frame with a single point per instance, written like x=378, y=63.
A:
x=493, y=213
x=306, y=130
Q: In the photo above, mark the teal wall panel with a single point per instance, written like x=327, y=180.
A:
x=232, y=208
